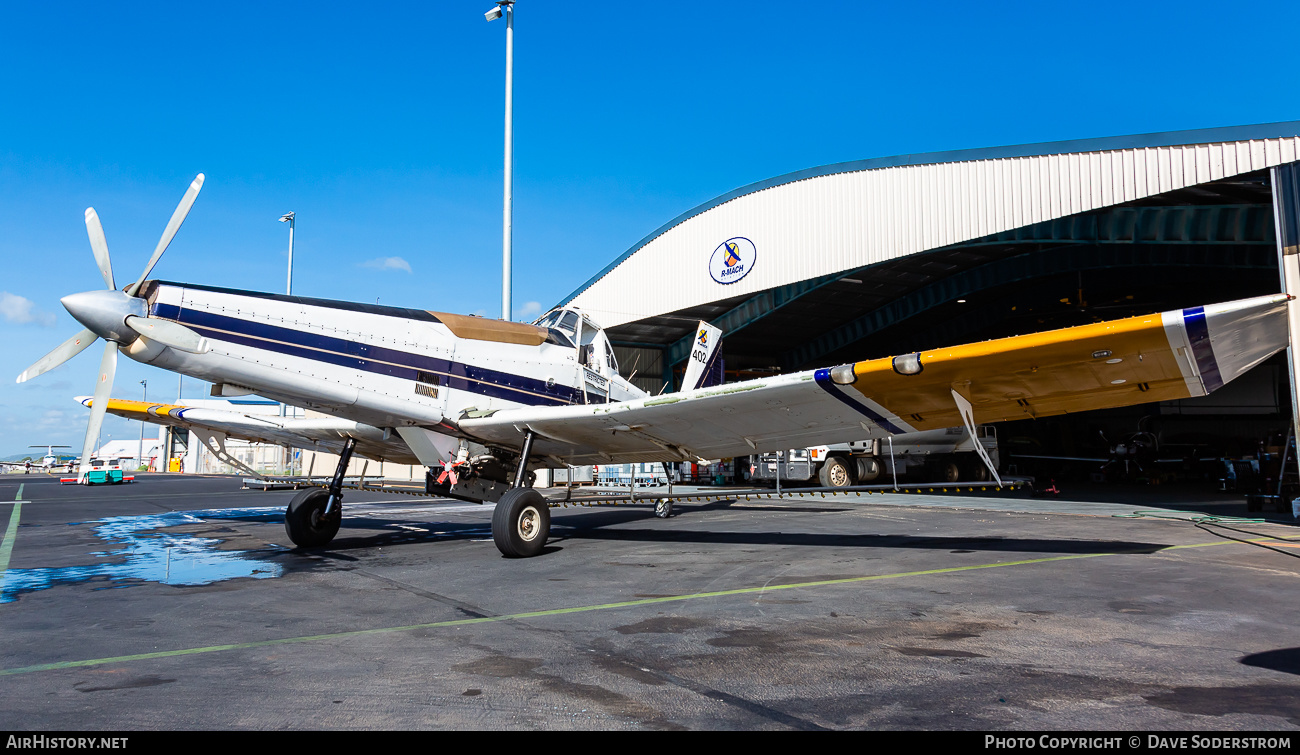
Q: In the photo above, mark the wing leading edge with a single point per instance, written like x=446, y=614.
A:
x=1159, y=357
x=321, y=433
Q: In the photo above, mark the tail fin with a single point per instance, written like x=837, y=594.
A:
x=704, y=368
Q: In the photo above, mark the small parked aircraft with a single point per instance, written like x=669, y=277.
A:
x=50, y=461
x=489, y=400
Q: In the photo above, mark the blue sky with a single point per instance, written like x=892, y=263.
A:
x=381, y=127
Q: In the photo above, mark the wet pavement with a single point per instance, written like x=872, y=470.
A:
x=178, y=603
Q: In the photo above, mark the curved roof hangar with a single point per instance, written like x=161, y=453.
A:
x=836, y=256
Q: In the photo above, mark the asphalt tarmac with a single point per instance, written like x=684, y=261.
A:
x=177, y=603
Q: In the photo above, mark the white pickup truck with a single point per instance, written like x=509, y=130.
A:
x=946, y=455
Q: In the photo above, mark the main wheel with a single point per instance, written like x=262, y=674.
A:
x=664, y=508
x=305, y=520
x=521, y=523
x=835, y=473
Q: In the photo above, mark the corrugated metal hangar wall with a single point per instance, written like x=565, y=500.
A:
x=878, y=257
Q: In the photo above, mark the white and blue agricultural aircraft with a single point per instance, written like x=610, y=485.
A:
x=488, y=401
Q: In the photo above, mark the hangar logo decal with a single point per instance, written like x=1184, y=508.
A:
x=732, y=260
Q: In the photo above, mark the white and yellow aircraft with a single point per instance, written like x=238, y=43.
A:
x=490, y=400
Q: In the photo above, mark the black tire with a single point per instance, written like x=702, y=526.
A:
x=1253, y=503
x=974, y=470
x=305, y=521
x=664, y=508
x=521, y=523
x=947, y=472
x=835, y=473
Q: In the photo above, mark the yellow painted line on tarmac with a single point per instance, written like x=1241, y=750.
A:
x=577, y=609
x=531, y=614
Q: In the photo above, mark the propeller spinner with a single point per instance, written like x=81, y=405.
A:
x=119, y=317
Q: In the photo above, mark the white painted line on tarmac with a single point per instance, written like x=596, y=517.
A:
x=7, y=546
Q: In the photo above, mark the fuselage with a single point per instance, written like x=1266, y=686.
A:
x=383, y=366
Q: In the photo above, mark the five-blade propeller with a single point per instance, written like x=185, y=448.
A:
x=117, y=317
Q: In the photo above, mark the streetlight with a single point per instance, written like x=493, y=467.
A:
x=144, y=397
x=507, y=7
x=288, y=218
x=288, y=290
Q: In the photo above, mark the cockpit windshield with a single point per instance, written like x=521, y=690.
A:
x=563, y=319
x=561, y=325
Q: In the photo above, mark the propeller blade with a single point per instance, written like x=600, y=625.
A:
x=62, y=353
x=169, y=232
x=169, y=333
x=99, y=245
x=99, y=405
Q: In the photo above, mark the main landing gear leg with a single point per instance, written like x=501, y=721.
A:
x=521, y=521
x=314, y=516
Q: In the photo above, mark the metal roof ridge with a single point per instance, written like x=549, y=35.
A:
x=1216, y=134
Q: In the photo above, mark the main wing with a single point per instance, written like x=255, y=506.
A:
x=1137, y=360
x=321, y=433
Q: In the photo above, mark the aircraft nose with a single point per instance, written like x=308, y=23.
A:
x=104, y=313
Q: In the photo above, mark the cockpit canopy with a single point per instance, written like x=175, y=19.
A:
x=560, y=319
x=577, y=328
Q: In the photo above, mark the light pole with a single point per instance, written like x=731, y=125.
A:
x=288, y=290
x=507, y=7
x=144, y=397
x=288, y=218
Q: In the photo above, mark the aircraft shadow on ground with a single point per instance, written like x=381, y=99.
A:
x=601, y=524
x=838, y=540
x=1286, y=660
x=596, y=527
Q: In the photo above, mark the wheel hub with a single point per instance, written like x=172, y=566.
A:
x=528, y=524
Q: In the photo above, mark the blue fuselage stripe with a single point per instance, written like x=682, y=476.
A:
x=1198, y=334
x=368, y=357
x=823, y=378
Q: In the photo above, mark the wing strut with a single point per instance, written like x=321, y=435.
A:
x=963, y=408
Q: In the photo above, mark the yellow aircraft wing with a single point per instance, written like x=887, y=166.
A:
x=1137, y=360
x=321, y=433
